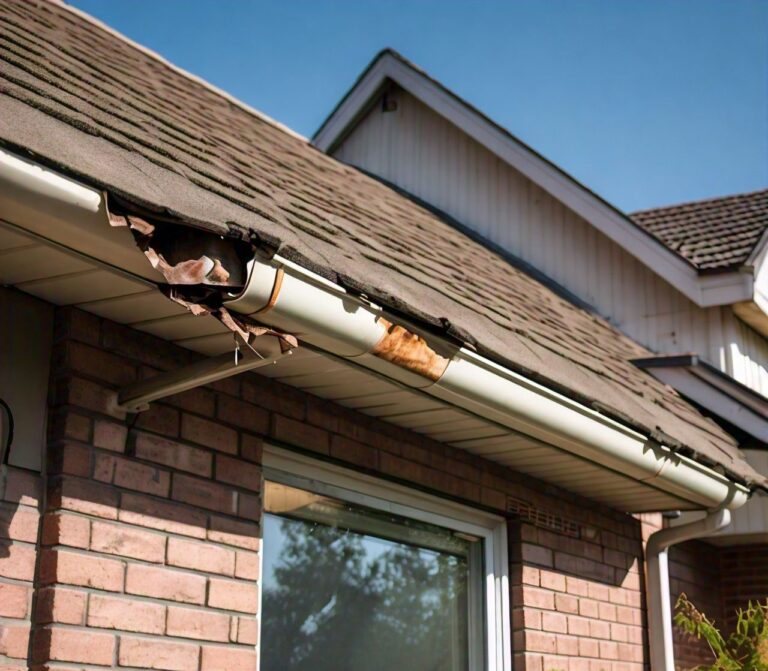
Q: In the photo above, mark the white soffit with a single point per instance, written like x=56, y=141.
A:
x=705, y=290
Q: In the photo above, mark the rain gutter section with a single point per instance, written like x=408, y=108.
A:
x=288, y=297
x=295, y=301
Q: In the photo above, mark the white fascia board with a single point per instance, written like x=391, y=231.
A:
x=723, y=289
x=702, y=290
x=709, y=396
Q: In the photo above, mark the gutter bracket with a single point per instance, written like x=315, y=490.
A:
x=137, y=396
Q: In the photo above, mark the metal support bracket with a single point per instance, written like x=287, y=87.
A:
x=137, y=396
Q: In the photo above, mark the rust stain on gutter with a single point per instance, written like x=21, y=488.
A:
x=410, y=351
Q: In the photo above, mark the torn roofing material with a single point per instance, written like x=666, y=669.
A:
x=714, y=235
x=76, y=96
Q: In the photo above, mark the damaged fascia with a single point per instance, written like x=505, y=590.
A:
x=198, y=266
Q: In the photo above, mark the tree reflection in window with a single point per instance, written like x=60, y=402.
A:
x=337, y=599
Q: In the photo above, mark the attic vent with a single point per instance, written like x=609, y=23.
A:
x=525, y=511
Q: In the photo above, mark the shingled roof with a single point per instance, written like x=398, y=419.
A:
x=78, y=97
x=714, y=235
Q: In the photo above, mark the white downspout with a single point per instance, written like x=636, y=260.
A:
x=657, y=579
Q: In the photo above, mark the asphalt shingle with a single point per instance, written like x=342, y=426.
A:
x=714, y=235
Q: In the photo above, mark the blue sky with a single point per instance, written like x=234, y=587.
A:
x=647, y=102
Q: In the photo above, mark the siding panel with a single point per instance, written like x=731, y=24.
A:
x=421, y=152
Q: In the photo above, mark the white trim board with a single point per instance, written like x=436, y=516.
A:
x=704, y=290
x=325, y=478
x=702, y=388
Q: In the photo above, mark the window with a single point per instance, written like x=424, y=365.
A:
x=360, y=574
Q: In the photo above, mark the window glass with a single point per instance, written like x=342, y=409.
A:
x=349, y=588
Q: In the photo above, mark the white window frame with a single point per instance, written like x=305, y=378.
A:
x=322, y=477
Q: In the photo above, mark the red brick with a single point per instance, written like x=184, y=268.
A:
x=526, y=618
x=204, y=494
x=300, y=434
x=565, y=603
x=19, y=524
x=89, y=396
x=109, y=436
x=247, y=566
x=245, y=415
x=70, y=568
x=84, y=496
x=567, y=645
x=216, y=658
x=589, y=647
x=69, y=645
x=70, y=458
x=13, y=600
x=199, y=624
x=607, y=611
x=245, y=535
x=148, y=653
x=554, y=622
x=251, y=448
x=247, y=631
x=238, y=472
x=63, y=529
x=199, y=400
x=249, y=506
x=56, y=604
x=125, y=541
x=353, y=452
x=130, y=474
x=165, y=584
x=553, y=581
x=589, y=608
x=609, y=650
x=278, y=398
x=535, y=554
x=160, y=419
x=67, y=424
x=165, y=516
x=599, y=629
x=100, y=364
x=78, y=325
x=174, y=454
x=538, y=598
x=201, y=556
x=208, y=433
x=17, y=561
x=578, y=626
x=233, y=595
x=14, y=640
x=22, y=487
x=537, y=641
x=108, y=612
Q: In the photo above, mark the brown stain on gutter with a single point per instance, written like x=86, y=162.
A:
x=410, y=351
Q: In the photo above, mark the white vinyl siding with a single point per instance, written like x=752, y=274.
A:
x=421, y=152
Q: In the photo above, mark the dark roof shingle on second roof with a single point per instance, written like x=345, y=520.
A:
x=714, y=235
x=88, y=102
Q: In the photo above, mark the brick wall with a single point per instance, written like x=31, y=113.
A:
x=150, y=535
x=19, y=521
x=743, y=578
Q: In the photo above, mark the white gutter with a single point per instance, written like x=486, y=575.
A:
x=293, y=299
x=67, y=214
x=657, y=574
x=323, y=314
